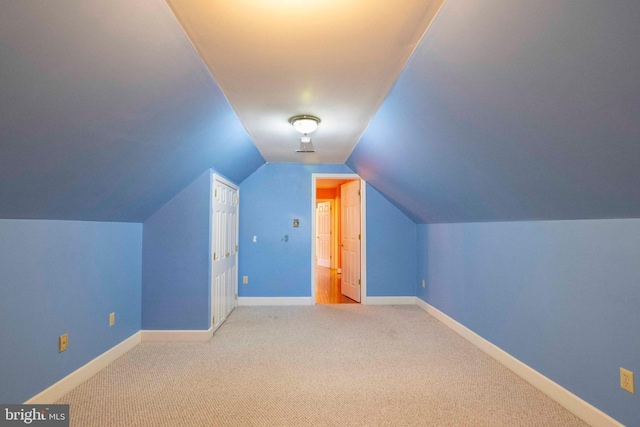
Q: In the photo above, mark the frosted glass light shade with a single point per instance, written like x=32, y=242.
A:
x=304, y=124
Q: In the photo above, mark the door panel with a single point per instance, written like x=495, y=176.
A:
x=224, y=246
x=323, y=226
x=350, y=223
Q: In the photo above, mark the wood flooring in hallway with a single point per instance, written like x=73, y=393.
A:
x=328, y=287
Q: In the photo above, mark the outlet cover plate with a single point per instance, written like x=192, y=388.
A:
x=626, y=380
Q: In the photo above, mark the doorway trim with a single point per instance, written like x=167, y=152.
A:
x=363, y=226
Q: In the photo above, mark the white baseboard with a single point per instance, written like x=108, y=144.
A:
x=177, y=336
x=426, y=307
x=390, y=300
x=582, y=409
x=255, y=301
x=80, y=375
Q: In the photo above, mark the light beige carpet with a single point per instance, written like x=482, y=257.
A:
x=323, y=365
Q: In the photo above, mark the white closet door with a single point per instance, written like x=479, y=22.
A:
x=224, y=250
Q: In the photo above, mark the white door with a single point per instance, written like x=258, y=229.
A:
x=323, y=229
x=224, y=250
x=350, y=245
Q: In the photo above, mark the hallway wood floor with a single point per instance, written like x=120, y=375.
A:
x=328, y=287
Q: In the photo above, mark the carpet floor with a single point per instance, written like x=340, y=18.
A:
x=323, y=365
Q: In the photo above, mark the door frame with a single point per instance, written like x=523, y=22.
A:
x=363, y=226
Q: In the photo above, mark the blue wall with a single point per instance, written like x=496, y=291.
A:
x=175, y=260
x=391, y=248
x=560, y=296
x=528, y=113
x=63, y=277
x=108, y=121
x=270, y=199
x=278, y=193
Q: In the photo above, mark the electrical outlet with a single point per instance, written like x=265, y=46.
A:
x=112, y=318
x=63, y=342
x=423, y=283
x=245, y=280
x=626, y=380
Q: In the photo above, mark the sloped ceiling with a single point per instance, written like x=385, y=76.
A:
x=507, y=110
x=335, y=59
x=107, y=111
x=514, y=110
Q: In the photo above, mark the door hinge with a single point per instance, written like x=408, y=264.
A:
x=359, y=237
x=215, y=193
x=236, y=295
x=359, y=193
x=236, y=248
x=359, y=282
x=214, y=256
x=213, y=320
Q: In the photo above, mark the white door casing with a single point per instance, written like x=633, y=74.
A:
x=351, y=234
x=323, y=238
x=224, y=250
x=315, y=179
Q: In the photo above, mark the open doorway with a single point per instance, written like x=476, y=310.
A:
x=338, y=239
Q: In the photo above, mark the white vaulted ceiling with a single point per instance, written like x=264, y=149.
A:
x=335, y=59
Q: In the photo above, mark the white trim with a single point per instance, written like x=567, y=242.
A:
x=212, y=184
x=363, y=242
x=177, y=336
x=264, y=301
x=425, y=306
x=582, y=409
x=363, y=234
x=222, y=179
x=83, y=373
x=391, y=300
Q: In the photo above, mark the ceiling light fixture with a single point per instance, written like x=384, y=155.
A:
x=304, y=123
